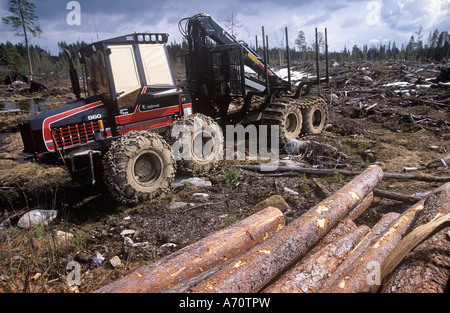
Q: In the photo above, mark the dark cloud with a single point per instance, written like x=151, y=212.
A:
x=367, y=19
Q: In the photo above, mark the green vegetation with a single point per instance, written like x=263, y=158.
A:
x=232, y=219
x=24, y=22
x=79, y=239
x=13, y=58
x=230, y=175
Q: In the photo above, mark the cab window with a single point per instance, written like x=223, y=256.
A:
x=156, y=65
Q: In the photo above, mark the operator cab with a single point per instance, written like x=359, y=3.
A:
x=134, y=73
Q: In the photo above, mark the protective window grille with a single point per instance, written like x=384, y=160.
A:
x=227, y=69
x=75, y=134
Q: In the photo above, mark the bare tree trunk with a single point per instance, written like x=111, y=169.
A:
x=362, y=207
x=26, y=39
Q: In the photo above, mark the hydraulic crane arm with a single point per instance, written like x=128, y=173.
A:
x=200, y=27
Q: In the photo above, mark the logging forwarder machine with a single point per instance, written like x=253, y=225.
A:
x=221, y=71
x=115, y=132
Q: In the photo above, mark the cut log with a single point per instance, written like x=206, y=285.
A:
x=344, y=227
x=426, y=267
x=307, y=276
x=362, y=207
x=202, y=255
x=366, y=271
x=253, y=269
x=383, y=224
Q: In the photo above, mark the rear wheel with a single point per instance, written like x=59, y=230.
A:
x=315, y=114
x=139, y=166
x=285, y=113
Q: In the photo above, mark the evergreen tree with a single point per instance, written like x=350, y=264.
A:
x=10, y=57
x=24, y=22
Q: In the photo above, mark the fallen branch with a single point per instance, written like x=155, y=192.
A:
x=323, y=171
x=304, y=170
x=395, y=196
x=421, y=177
x=371, y=91
x=200, y=205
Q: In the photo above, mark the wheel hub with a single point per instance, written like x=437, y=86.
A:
x=147, y=168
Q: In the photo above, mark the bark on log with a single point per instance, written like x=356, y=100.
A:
x=365, y=272
x=253, y=269
x=426, y=269
x=395, y=196
x=362, y=207
x=202, y=255
x=342, y=228
x=308, y=275
x=384, y=223
x=187, y=286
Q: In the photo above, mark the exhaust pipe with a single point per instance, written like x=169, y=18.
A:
x=73, y=76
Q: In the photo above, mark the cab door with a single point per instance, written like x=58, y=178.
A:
x=144, y=86
x=126, y=80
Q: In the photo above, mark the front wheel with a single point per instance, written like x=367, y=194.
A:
x=198, y=144
x=138, y=167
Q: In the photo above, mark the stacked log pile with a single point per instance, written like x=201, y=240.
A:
x=321, y=251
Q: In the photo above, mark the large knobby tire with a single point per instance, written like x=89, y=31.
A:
x=286, y=113
x=197, y=144
x=315, y=114
x=138, y=167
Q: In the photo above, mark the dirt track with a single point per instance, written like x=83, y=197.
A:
x=371, y=122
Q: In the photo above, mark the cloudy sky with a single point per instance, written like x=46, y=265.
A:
x=349, y=22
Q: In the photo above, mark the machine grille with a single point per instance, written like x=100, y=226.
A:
x=76, y=134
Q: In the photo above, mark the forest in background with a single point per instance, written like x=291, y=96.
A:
x=435, y=48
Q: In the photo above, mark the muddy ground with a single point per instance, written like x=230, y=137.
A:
x=374, y=119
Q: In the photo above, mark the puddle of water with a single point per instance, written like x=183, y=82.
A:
x=29, y=105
